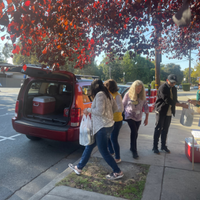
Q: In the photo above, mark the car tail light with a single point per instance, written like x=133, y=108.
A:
x=16, y=108
x=75, y=116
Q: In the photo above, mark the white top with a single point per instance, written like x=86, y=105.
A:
x=120, y=105
x=44, y=99
x=102, y=111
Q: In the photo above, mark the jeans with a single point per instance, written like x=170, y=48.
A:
x=113, y=144
x=162, y=127
x=101, y=140
x=134, y=126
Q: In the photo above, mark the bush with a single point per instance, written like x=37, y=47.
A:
x=186, y=86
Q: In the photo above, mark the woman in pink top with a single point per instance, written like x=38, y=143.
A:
x=134, y=101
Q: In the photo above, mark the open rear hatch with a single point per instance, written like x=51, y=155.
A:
x=48, y=96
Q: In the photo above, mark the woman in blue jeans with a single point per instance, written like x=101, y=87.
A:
x=102, y=109
x=113, y=144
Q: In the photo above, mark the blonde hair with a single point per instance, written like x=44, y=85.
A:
x=132, y=91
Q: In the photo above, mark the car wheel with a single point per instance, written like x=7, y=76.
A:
x=33, y=137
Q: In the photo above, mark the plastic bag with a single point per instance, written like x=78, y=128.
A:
x=86, y=136
x=187, y=116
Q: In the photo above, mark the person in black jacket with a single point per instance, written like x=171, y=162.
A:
x=164, y=108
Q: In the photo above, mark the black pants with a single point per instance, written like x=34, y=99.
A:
x=162, y=126
x=134, y=126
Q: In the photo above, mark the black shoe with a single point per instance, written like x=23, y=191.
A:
x=165, y=149
x=135, y=155
x=155, y=150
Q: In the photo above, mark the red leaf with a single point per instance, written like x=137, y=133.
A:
x=9, y=1
x=24, y=67
x=17, y=49
x=44, y=51
x=120, y=14
x=92, y=41
x=2, y=38
x=29, y=41
x=27, y=3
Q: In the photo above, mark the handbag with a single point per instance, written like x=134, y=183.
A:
x=86, y=136
x=187, y=116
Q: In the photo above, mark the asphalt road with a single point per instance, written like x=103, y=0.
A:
x=27, y=166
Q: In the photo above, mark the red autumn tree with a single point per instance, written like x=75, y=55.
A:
x=56, y=29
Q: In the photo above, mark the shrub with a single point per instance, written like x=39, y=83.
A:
x=186, y=86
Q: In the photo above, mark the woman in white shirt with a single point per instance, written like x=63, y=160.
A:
x=102, y=109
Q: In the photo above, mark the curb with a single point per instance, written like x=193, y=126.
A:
x=50, y=186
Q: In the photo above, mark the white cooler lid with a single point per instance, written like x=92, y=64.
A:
x=189, y=142
x=44, y=99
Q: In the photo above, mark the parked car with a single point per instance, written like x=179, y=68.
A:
x=191, y=87
x=196, y=87
x=122, y=88
x=180, y=87
x=50, y=104
x=0, y=85
x=129, y=83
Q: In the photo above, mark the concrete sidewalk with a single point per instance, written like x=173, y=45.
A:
x=170, y=176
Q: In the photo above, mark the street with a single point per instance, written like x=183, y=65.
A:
x=27, y=166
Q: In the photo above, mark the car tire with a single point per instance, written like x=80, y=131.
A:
x=33, y=138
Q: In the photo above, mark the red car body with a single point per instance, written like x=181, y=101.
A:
x=72, y=98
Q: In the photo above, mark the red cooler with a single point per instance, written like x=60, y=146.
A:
x=151, y=107
x=43, y=105
x=188, y=150
x=152, y=99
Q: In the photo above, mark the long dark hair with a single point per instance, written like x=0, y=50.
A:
x=97, y=86
x=111, y=85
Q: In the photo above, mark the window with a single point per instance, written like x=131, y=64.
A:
x=35, y=88
x=86, y=90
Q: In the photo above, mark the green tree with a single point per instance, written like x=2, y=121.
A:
x=138, y=68
x=7, y=50
x=112, y=69
x=19, y=59
x=1, y=58
x=90, y=69
x=172, y=69
x=195, y=73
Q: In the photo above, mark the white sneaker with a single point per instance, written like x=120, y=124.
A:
x=76, y=170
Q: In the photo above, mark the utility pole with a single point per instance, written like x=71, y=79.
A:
x=157, y=57
x=157, y=68
x=189, y=78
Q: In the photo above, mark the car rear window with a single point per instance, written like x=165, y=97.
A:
x=86, y=91
x=49, y=88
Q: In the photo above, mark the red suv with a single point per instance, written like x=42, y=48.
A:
x=50, y=104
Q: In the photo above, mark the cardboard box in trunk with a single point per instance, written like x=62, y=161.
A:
x=43, y=105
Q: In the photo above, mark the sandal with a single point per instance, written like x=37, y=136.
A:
x=118, y=160
x=76, y=170
x=114, y=176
